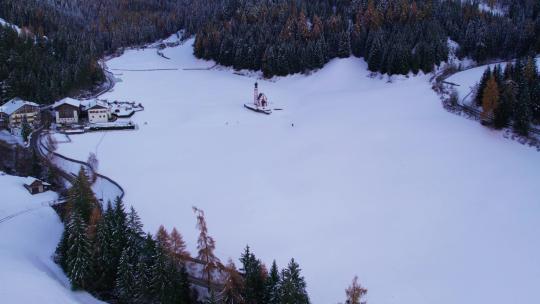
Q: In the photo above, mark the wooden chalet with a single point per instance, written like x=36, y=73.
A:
x=35, y=186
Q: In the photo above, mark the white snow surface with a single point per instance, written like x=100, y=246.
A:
x=5, y=23
x=27, y=243
x=10, y=139
x=374, y=179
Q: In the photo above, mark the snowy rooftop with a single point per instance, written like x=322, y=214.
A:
x=30, y=180
x=13, y=105
x=97, y=103
x=67, y=100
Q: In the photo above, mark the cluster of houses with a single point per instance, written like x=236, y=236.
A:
x=67, y=111
x=70, y=114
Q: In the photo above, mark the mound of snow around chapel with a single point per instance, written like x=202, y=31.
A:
x=374, y=179
x=27, y=243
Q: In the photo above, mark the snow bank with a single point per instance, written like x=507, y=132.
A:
x=5, y=23
x=374, y=179
x=10, y=139
x=28, y=241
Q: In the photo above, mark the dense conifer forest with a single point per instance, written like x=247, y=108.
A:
x=281, y=37
x=62, y=41
x=511, y=96
x=59, y=53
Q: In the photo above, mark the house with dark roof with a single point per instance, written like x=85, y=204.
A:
x=35, y=186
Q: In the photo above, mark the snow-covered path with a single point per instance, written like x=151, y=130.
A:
x=374, y=179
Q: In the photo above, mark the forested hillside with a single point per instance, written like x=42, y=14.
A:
x=77, y=34
x=279, y=37
x=511, y=95
x=395, y=37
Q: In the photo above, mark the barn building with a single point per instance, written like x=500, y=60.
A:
x=35, y=186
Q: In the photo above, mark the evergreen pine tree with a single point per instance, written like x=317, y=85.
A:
x=145, y=269
x=344, y=45
x=81, y=197
x=26, y=129
x=104, y=259
x=535, y=101
x=120, y=229
x=482, y=85
x=273, y=285
x=375, y=55
x=499, y=77
x=508, y=71
x=78, y=254
x=128, y=272
x=522, y=117
x=161, y=281
x=182, y=289
x=254, y=278
x=125, y=286
x=530, y=73
x=503, y=113
x=61, y=250
x=134, y=225
x=293, y=286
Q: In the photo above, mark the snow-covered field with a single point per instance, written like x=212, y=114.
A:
x=374, y=179
x=29, y=233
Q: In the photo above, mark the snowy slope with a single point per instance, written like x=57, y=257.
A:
x=374, y=179
x=5, y=23
x=28, y=273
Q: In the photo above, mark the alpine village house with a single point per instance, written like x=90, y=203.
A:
x=98, y=111
x=67, y=111
x=15, y=111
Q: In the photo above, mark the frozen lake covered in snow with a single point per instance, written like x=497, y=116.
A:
x=375, y=179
